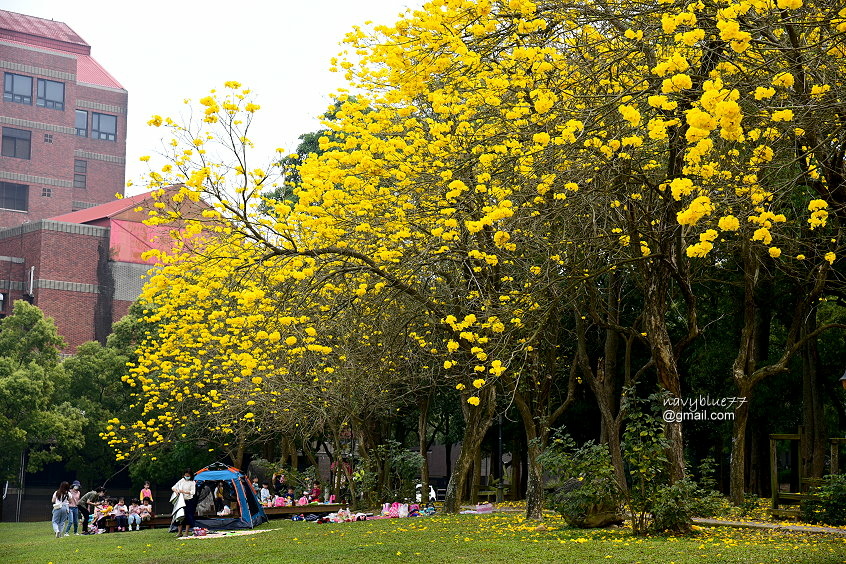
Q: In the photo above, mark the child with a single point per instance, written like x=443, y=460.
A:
x=120, y=512
x=264, y=495
x=145, y=510
x=134, y=515
x=101, y=513
x=314, y=494
x=146, y=492
x=290, y=496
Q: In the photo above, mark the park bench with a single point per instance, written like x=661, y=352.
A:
x=794, y=500
x=154, y=522
x=283, y=512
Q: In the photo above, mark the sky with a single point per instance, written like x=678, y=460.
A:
x=162, y=52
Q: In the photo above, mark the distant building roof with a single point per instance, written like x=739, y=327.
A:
x=55, y=36
x=103, y=211
x=89, y=71
x=41, y=32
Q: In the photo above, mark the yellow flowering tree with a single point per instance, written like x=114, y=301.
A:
x=497, y=157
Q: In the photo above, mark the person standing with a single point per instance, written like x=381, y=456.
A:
x=61, y=500
x=146, y=492
x=184, y=504
x=86, y=505
x=73, y=506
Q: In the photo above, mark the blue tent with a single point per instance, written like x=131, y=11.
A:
x=238, y=495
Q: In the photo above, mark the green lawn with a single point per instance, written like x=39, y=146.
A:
x=472, y=538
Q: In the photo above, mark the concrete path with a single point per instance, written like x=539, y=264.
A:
x=772, y=526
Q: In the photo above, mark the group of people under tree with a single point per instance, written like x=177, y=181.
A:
x=278, y=492
x=94, y=508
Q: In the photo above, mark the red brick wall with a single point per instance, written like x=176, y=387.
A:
x=73, y=313
x=55, y=160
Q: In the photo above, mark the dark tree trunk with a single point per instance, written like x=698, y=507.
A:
x=663, y=356
x=422, y=430
x=814, y=443
x=477, y=421
x=737, y=473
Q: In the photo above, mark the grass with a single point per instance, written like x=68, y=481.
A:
x=456, y=538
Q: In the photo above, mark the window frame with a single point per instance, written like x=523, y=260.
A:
x=76, y=123
x=97, y=133
x=9, y=94
x=80, y=173
x=43, y=101
x=5, y=198
x=18, y=137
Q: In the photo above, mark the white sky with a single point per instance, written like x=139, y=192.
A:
x=165, y=51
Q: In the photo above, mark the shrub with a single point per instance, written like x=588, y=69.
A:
x=587, y=494
x=674, y=506
x=829, y=507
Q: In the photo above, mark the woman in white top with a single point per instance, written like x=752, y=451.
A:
x=184, y=504
x=61, y=509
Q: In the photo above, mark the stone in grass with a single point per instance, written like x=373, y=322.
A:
x=590, y=515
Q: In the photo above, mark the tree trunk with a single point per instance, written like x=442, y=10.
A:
x=534, y=483
x=814, y=441
x=477, y=421
x=477, y=476
x=422, y=429
x=737, y=469
x=663, y=356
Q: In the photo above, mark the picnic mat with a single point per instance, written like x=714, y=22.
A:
x=220, y=534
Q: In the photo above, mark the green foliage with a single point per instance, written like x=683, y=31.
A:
x=674, y=506
x=397, y=469
x=707, y=470
x=830, y=505
x=94, y=384
x=645, y=453
x=34, y=416
x=167, y=466
x=28, y=337
x=751, y=502
x=586, y=493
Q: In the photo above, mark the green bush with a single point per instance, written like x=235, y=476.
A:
x=829, y=507
x=674, y=506
x=586, y=493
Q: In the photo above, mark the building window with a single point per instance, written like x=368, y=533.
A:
x=51, y=94
x=103, y=126
x=14, y=196
x=47, y=192
x=16, y=143
x=82, y=123
x=17, y=88
x=48, y=137
x=80, y=172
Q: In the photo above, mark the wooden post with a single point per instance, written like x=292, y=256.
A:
x=774, y=472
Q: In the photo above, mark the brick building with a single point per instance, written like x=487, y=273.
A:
x=84, y=269
x=63, y=121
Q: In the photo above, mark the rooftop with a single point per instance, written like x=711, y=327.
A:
x=109, y=209
x=41, y=32
x=29, y=31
